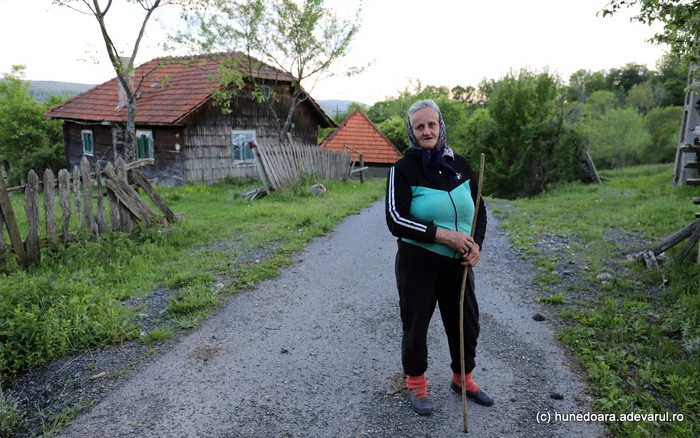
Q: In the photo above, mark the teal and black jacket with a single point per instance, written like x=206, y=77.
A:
x=417, y=206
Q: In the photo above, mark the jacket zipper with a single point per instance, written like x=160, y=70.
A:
x=454, y=206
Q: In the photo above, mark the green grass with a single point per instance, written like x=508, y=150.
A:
x=52, y=422
x=75, y=298
x=159, y=334
x=557, y=298
x=9, y=417
x=639, y=343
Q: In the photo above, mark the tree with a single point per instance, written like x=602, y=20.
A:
x=620, y=80
x=601, y=102
x=123, y=66
x=527, y=143
x=352, y=107
x=480, y=131
x=673, y=73
x=641, y=97
x=466, y=94
x=303, y=38
x=454, y=115
x=27, y=139
x=680, y=19
x=583, y=83
x=663, y=125
x=618, y=138
x=394, y=128
x=390, y=115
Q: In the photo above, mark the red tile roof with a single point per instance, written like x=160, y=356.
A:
x=171, y=88
x=359, y=133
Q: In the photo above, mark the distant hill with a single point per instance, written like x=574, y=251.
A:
x=334, y=106
x=42, y=90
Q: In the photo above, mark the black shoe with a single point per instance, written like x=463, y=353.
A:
x=420, y=404
x=480, y=397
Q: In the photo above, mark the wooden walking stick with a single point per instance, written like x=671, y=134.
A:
x=461, y=303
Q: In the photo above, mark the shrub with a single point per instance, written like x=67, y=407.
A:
x=528, y=145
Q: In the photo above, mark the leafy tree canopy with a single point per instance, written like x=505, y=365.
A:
x=680, y=19
x=304, y=38
x=522, y=132
x=27, y=139
x=663, y=125
x=618, y=138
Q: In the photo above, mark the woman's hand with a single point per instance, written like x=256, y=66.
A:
x=461, y=242
x=472, y=257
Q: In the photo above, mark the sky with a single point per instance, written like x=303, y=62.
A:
x=436, y=42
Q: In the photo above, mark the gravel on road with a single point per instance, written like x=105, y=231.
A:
x=315, y=352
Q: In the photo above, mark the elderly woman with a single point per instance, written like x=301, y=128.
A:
x=430, y=203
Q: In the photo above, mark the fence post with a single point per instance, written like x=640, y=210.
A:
x=50, y=205
x=76, y=196
x=3, y=247
x=11, y=223
x=64, y=200
x=101, y=219
x=87, y=196
x=31, y=208
x=362, y=164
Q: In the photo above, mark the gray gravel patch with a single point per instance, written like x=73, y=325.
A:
x=315, y=352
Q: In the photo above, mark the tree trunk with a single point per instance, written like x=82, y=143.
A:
x=130, y=134
x=130, y=130
x=292, y=106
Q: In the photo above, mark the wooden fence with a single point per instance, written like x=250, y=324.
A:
x=126, y=206
x=284, y=163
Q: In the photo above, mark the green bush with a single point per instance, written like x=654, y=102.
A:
x=529, y=147
x=618, y=138
x=45, y=319
x=27, y=139
x=663, y=125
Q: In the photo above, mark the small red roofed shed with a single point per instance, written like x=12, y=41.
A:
x=359, y=133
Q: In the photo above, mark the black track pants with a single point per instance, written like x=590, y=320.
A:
x=425, y=279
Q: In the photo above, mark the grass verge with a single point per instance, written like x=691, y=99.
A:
x=9, y=417
x=639, y=341
x=76, y=298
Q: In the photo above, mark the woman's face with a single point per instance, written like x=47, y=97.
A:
x=426, y=127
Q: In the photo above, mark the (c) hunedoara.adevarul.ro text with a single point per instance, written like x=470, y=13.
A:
x=547, y=417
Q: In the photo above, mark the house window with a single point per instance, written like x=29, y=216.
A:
x=266, y=92
x=240, y=151
x=144, y=145
x=88, y=142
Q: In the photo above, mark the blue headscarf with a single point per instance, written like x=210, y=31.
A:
x=433, y=159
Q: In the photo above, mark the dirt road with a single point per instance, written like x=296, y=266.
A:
x=316, y=351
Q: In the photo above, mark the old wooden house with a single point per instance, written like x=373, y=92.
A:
x=179, y=124
x=361, y=135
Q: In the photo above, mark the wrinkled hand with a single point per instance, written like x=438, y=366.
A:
x=472, y=257
x=461, y=242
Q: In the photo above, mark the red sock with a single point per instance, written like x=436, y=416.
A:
x=417, y=384
x=470, y=384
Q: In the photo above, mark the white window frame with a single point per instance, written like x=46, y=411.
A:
x=266, y=92
x=240, y=139
x=151, y=146
x=92, y=141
